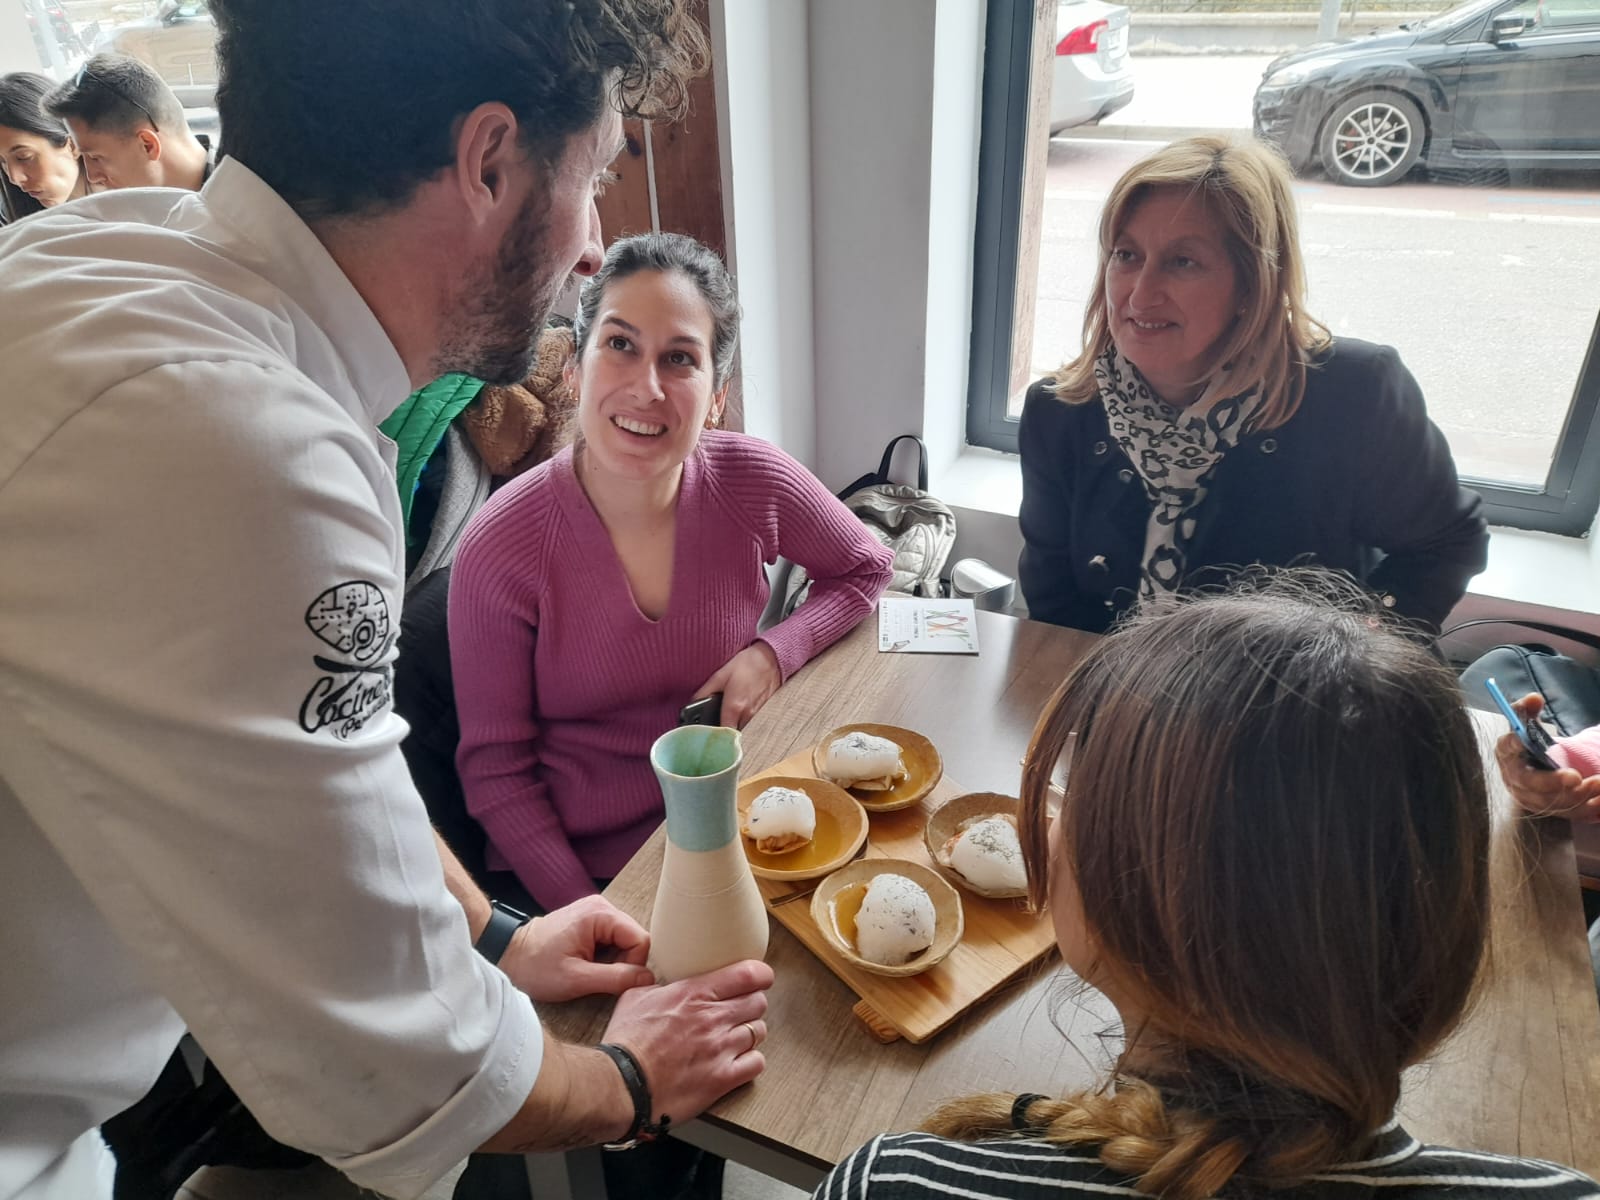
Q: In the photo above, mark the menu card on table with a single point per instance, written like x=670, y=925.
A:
x=913, y=625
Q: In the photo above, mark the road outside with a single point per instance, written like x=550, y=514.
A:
x=1489, y=292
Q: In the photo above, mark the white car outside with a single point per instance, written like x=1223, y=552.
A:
x=1092, y=76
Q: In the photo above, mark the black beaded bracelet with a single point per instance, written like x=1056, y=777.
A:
x=643, y=1128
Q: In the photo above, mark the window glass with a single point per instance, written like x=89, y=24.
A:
x=1448, y=189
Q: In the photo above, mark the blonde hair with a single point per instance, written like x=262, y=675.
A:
x=1277, y=826
x=1245, y=185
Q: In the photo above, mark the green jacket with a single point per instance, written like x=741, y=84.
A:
x=417, y=427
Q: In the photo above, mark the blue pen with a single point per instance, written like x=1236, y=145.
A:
x=1535, y=741
x=1504, y=705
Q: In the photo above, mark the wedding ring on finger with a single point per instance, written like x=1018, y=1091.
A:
x=755, y=1038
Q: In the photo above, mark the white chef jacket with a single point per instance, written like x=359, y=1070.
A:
x=205, y=818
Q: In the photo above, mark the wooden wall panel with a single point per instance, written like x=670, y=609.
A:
x=688, y=170
x=625, y=207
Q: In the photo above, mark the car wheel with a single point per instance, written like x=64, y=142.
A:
x=1371, y=139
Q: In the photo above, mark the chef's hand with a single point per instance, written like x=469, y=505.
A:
x=746, y=681
x=696, y=1039
x=1562, y=793
x=587, y=948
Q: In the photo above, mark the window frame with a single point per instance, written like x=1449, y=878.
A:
x=1002, y=143
x=1565, y=504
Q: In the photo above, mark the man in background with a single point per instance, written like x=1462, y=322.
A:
x=129, y=126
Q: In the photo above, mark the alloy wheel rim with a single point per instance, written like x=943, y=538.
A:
x=1370, y=141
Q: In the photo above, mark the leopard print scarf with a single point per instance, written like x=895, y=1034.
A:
x=1174, y=451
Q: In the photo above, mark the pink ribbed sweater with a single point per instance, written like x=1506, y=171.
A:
x=1581, y=751
x=562, y=684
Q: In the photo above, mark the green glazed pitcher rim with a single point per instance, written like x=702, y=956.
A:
x=697, y=767
x=697, y=751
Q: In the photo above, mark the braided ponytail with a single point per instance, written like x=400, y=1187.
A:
x=1170, y=1146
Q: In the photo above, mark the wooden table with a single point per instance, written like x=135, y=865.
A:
x=1522, y=1077
x=1586, y=838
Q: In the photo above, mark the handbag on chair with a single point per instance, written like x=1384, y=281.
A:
x=917, y=525
x=1571, y=689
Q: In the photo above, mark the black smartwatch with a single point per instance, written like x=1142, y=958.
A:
x=504, y=921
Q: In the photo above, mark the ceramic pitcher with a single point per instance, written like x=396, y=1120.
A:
x=708, y=911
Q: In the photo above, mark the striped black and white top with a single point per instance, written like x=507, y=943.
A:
x=919, y=1166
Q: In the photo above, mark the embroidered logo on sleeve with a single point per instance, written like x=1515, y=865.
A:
x=352, y=618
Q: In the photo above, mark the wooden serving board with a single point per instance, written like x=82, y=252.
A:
x=1002, y=938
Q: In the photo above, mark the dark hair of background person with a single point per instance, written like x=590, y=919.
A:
x=346, y=108
x=1278, y=825
x=22, y=107
x=117, y=93
x=668, y=252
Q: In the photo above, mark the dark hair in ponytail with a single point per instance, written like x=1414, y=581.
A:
x=1277, y=826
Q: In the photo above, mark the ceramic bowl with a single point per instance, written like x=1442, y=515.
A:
x=924, y=768
x=839, y=896
x=841, y=830
x=945, y=823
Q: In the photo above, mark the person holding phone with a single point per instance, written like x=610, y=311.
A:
x=598, y=595
x=1572, y=790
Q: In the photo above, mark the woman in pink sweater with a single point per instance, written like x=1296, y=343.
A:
x=598, y=594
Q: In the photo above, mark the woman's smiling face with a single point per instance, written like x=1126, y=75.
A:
x=1172, y=291
x=646, y=381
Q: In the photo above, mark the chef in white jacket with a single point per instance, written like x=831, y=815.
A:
x=205, y=818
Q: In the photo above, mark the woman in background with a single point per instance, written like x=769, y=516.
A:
x=599, y=594
x=1211, y=423
x=1272, y=858
x=39, y=161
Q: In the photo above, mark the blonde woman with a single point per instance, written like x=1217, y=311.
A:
x=1211, y=422
x=1287, y=907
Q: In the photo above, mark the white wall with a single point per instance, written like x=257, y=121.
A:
x=871, y=106
x=895, y=89
x=763, y=101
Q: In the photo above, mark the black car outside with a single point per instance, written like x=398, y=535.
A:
x=1486, y=83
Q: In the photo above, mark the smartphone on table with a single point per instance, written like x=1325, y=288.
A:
x=1535, y=741
x=705, y=711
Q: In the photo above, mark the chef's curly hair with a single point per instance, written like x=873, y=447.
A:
x=1276, y=828
x=346, y=107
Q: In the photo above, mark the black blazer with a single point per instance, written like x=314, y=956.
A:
x=1358, y=479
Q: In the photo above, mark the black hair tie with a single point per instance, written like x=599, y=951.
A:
x=1019, y=1109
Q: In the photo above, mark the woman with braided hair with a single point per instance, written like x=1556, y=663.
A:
x=1272, y=858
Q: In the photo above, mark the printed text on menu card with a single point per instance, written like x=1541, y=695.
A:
x=910, y=625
